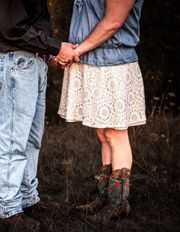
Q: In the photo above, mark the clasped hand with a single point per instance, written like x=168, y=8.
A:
x=67, y=55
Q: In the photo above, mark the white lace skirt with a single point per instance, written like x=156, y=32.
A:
x=103, y=97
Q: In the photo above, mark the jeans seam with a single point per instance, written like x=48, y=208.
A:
x=12, y=134
x=31, y=203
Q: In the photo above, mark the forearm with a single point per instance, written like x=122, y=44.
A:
x=116, y=14
x=103, y=31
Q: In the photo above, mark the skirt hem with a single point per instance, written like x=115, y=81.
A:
x=139, y=123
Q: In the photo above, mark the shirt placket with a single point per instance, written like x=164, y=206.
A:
x=79, y=4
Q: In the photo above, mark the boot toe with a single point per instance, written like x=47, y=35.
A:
x=108, y=213
x=93, y=206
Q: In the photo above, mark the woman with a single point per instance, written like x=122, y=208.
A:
x=105, y=91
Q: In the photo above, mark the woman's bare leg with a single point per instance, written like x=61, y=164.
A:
x=106, y=149
x=118, y=141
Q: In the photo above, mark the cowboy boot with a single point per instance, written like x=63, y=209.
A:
x=35, y=210
x=117, y=195
x=100, y=200
x=21, y=223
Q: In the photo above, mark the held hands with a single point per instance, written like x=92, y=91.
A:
x=67, y=55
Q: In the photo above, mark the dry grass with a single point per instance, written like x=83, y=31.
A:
x=70, y=158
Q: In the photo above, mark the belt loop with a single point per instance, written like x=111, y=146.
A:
x=1, y=65
x=11, y=55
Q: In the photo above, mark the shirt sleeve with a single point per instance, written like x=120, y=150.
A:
x=16, y=28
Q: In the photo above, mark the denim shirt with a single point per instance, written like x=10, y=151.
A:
x=120, y=48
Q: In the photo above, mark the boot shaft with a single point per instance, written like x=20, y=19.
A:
x=118, y=188
x=103, y=179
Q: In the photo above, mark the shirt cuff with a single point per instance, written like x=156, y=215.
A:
x=54, y=46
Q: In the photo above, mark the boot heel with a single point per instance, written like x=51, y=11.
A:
x=128, y=210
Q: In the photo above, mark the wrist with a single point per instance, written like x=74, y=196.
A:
x=79, y=50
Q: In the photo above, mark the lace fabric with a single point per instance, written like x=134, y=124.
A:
x=103, y=97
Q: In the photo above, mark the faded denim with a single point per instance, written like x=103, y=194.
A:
x=120, y=48
x=23, y=80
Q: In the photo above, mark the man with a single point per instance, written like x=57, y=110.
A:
x=25, y=37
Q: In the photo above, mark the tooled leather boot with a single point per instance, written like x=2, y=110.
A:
x=100, y=200
x=117, y=197
x=21, y=223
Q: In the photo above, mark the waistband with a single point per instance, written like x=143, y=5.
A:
x=23, y=53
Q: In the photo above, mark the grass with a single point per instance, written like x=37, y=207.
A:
x=69, y=160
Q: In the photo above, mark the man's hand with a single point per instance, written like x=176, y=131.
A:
x=67, y=55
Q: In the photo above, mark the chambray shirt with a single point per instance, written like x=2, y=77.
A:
x=120, y=48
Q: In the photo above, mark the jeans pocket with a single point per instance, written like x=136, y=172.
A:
x=43, y=76
x=43, y=84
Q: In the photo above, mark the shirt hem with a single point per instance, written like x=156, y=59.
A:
x=109, y=64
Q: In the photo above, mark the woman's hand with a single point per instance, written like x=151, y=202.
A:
x=75, y=60
x=67, y=55
x=63, y=59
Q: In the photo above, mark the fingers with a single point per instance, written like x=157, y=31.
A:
x=67, y=55
x=63, y=59
x=68, y=65
x=66, y=59
x=76, y=59
x=62, y=63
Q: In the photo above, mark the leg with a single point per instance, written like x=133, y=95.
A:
x=102, y=177
x=118, y=186
x=17, y=108
x=106, y=149
x=30, y=181
x=120, y=146
x=118, y=190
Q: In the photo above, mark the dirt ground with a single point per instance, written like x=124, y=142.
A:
x=70, y=158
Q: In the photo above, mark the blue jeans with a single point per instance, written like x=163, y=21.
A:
x=23, y=81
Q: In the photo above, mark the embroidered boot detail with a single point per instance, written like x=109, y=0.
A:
x=102, y=181
x=117, y=197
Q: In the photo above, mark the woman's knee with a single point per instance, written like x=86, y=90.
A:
x=116, y=136
x=101, y=136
